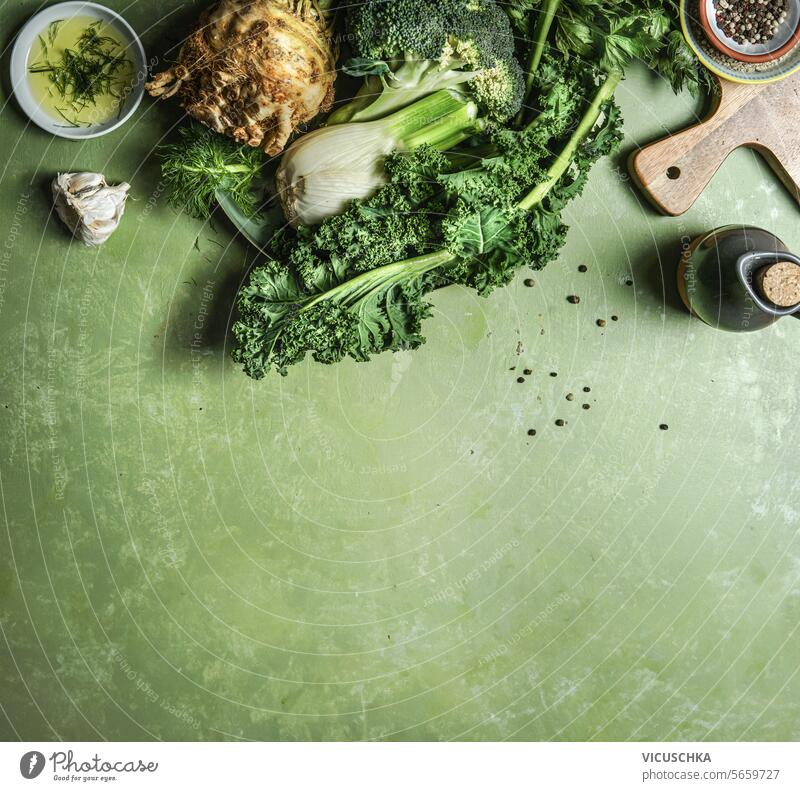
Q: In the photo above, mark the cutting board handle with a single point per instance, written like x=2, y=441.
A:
x=674, y=171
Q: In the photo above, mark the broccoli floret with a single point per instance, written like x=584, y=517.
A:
x=499, y=89
x=477, y=31
x=414, y=47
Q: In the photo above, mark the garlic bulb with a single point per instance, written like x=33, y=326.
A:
x=88, y=206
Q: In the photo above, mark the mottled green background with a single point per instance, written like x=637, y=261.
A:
x=381, y=551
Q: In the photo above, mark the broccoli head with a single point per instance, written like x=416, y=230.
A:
x=429, y=46
x=477, y=29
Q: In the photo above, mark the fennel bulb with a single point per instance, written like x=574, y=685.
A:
x=322, y=172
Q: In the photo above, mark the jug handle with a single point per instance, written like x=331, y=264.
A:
x=746, y=267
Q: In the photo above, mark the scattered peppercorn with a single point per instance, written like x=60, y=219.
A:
x=573, y=300
x=561, y=423
x=583, y=268
x=601, y=322
x=664, y=427
x=587, y=389
x=528, y=372
x=629, y=282
x=615, y=318
x=586, y=406
x=553, y=374
x=570, y=397
x=750, y=21
x=529, y=282
x=531, y=432
x=520, y=379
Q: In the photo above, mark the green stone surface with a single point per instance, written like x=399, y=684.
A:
x=381, y=551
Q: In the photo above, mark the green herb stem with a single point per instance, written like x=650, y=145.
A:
x=209, y=170
x=354, y=290
x=546, y=17
x=562, y=161
x=543, y=25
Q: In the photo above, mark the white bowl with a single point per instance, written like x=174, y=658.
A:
x=19, y=68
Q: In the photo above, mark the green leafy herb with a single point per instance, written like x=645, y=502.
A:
x=612, y=33
x=202, y=162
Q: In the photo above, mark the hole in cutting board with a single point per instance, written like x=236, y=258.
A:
x=673, y=173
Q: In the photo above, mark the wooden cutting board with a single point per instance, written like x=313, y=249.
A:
x=674, y=171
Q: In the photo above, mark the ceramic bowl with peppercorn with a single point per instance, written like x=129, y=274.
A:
x=744, y=40
x=753, y=31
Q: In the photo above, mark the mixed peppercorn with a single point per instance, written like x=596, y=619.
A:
x=750, y=21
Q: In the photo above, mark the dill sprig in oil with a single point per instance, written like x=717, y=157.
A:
x=95, y=67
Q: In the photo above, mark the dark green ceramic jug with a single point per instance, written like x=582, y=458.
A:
x=718, y=278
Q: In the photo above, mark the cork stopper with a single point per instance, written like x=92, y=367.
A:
x=780, y=284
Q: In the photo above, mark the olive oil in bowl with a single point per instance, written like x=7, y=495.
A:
x=80, y=72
